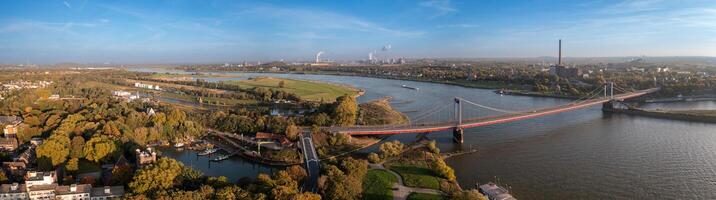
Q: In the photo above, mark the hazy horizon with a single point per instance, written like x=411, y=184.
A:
x=81, y=31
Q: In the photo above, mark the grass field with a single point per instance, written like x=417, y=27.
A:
x=307, y=90
x=377, y=184
x=423, y=196
x=417, y=176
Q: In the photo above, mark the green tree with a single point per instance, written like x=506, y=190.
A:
x=99, y=147
x=156, y=177
x=345, y=110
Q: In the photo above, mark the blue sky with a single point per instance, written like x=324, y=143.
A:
x=178, y=31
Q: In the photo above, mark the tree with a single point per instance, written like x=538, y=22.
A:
x=99, y=147
x=231, y=193
x=373, y=157
x=307, y=196
x=345, y=110
x=156, y=177
x=73, y=165
x=55, y=148
x=77, y=147
x=390, y=149
x=444, y=170
x=432, y=146
x=297, y=172
x=468, y=195
x=292, y=131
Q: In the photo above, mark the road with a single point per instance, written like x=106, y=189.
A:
x=311, y=160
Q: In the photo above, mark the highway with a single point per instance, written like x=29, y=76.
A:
x=311, y=160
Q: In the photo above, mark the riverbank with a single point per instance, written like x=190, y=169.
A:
x=708, y=116
x=379, y=112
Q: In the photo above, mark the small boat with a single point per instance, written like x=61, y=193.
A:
x=220, y=158
x=178, y=145
x=413, y=88
x=208, y=151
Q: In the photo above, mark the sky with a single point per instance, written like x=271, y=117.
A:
x=201, y=31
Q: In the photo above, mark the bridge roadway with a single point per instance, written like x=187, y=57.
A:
x=311, y=160
x=482, y=121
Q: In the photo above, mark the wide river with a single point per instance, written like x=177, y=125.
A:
x=584, y=154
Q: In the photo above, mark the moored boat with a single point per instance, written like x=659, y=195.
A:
x=208, y=151
x=220, y=158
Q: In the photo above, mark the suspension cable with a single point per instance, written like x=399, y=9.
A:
x=486, y=107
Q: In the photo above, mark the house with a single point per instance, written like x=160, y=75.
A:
x=34, y=178
x=36, y=141
x=16, y=169
x=107, y=192
x=8, y=144
x=73, y=192
x=41, y=191
x=10, y=125
x=145, y=157
x=27, y=156
x=281, y=139
x=13, y=191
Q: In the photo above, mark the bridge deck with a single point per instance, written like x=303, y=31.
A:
x=481, y=121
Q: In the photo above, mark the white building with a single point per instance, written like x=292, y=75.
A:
x=33, y=178
x=121, y=93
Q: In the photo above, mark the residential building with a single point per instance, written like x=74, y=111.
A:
x=41, y=191
x=10, y=125
x=8, y=144
x=73, y=192
x=40, y=178
x=107, y=192
x=15, y=168
x=145, y=157
x=13, y=191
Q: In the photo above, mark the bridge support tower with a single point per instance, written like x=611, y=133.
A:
x=458, y=135
x=458, y=132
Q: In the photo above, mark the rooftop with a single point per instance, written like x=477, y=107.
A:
x=107, y=191
x=10, y=120
x=13, y=188
x=68, y=189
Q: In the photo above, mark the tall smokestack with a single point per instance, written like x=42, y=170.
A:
x=559, y=62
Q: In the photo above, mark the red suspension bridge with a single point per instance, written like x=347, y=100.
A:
x=457, y=123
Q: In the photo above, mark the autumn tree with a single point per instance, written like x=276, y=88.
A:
x=390, y=149
x=99, y=147
x=77, y=147
x=55, y=148
x=292, y=131
x=158, y=176
x=345, y=110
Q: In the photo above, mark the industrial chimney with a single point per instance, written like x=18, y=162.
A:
x=559, y=61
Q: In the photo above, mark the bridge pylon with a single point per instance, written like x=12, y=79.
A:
x=458, y=132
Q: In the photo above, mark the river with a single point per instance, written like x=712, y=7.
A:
x=584, y=154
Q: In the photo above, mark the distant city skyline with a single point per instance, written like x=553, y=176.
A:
x=82, y=31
